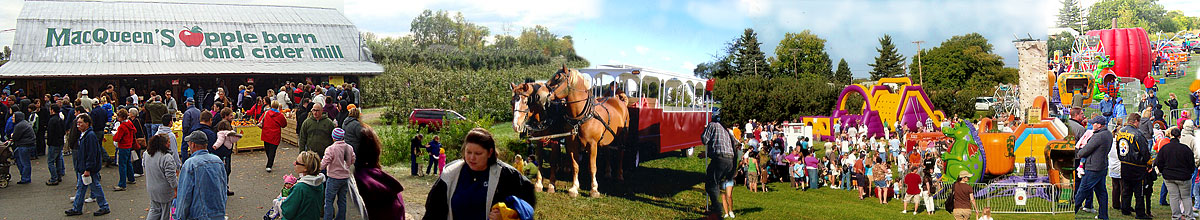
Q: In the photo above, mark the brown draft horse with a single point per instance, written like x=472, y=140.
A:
x=598, y=122
x=529, y=111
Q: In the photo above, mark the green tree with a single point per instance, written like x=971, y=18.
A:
x=771, y=99
x=1069, y=15
x=1146, y=14
x=1180, y=21
x=7, y=53
x=747, y=56
x=960, y=69
x=505, y=42
x=843, y=75
x=539, y=38
x=1185, y=22
x=440, y=28
x=1061, y=42
x=802, y=55
x=889, y=63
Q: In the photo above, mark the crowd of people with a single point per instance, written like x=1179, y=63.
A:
x=870, y=165
x=185, y=182
x=1133, y=151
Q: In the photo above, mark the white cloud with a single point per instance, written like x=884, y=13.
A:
x=688, y=65
x=754, y=8
x=496, y=14
x=666, y=58
x=640, y=49
x=623, y=54
x=716, y=14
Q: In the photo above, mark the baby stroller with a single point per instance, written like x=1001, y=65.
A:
x=6, y=154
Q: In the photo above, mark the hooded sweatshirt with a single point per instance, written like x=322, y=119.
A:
x=171, y=138
x=306, y=199
x=1187, y=137
x=337, y=160
x=227, y=140
x=22, y=135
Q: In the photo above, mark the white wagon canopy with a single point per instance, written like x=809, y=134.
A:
x=57, y=39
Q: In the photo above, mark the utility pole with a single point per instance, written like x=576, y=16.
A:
x=919, y=69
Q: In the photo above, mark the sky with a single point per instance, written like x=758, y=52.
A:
x=676, y=35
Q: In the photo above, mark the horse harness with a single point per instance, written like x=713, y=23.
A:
x=587, y=113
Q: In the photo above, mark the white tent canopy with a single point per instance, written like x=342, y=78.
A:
x=636, y=79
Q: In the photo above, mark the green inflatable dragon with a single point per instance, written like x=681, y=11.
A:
x=959, y=156
x=1104, y=63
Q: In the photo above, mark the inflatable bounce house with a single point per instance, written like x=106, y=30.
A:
x=888, y=102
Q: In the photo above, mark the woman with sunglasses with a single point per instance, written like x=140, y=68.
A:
x=306, y=199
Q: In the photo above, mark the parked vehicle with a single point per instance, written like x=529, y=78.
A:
x=433, y=118
x=984, y=103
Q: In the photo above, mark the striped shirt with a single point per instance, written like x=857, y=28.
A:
x=717, y=139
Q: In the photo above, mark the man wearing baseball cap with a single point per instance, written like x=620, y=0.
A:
x=200, y=182
x=1095, y=157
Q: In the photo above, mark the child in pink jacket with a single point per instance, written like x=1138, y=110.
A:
x=336, y=163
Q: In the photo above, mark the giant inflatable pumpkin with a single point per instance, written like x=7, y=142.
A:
x=1129, y=48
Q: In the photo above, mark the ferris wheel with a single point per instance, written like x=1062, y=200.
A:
x=1008, y=99
x=1086, y=52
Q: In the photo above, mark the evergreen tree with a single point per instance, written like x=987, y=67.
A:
x=1069, y=15
x=748, y=58
x=843, y=75
x=889, y=63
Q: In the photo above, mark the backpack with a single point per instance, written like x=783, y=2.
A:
x=1129, y=149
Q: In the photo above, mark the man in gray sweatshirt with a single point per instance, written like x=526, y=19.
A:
x=1095, y=156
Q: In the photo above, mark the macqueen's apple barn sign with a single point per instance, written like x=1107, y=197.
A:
x=83, y=38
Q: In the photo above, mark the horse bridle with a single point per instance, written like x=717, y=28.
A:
x=528, y=108
x=570, y=88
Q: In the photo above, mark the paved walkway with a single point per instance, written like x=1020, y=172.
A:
x=254, y=189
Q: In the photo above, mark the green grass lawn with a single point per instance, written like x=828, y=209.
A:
x=671, y=188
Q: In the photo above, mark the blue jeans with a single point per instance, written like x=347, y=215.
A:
x=80, y=190
x=1195, y=191
x=413, y=164
x=1162, y=194
x=54, y=162
x=23, y=154
x=846, y=180
x=814, y=180
x=124, y=168
x=335, y=187
x=183, y=150
x=1093, y=182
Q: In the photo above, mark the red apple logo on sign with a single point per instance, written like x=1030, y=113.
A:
x=191, y=37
